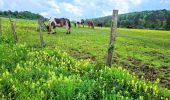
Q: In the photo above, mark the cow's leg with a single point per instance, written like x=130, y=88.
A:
x=69, y=31
x=67, y=28
x=49, y=29
x=53, y=31
x=93, y=26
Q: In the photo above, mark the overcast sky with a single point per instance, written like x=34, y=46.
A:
x=77, y=9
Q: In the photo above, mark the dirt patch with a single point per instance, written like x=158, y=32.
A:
x=165, y=69
x=150, y=72
x=165, y=82
x=82, y=55
x=134, y=61
x=153, y=53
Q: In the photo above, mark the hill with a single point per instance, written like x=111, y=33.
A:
x=158, y=19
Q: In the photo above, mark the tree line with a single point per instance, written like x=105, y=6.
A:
x=20, y=15
x=155, y=19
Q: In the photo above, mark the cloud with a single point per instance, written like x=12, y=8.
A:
x=106, y=13
x=53, y=8
x=53, y=4
x=35, y=2
x=45, y=14
x=164, y=1
x=122, y=5
x=76, y=10
x=79, y=2
x=72, y=8
x=136, y=2
x=1, y=3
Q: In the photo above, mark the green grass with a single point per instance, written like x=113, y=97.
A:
x=34, y=73
x=144, y=52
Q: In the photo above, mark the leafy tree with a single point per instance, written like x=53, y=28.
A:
x=167, y=25
x=158, y=19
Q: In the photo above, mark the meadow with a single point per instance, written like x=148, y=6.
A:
x=73, y=66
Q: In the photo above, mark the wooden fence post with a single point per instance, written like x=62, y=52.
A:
x=41, y=33
x=13, y=28
x=0, y=27
x=112, y=37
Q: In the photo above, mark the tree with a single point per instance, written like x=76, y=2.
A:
x=167, y=25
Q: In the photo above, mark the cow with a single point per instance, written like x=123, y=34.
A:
x=100, y=25
x=129, y=26
x=58, y=22
x=80, y=23
x=90, y=24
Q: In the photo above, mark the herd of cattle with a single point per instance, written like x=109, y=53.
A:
x=59, y=22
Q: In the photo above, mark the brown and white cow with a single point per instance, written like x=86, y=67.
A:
x=58, y=22
x=81, y=22
x=90, y=24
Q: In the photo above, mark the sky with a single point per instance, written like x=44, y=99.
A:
x=78, y=9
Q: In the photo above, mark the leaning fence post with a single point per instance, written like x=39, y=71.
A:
x=0, y=27
x=13, y=29
x=112, y=37
x=41, y=33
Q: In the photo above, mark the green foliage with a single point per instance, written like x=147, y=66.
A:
x=20, y=15
x=52, y=74
x=158, y=19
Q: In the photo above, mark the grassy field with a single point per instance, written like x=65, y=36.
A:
x=143, y=52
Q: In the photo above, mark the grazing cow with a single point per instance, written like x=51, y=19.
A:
x=100, y=25
x=58, y=22
x=90, y=24
x=129, y=26
x=80, y=23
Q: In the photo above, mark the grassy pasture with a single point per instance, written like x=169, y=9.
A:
x=144, y=52
x=141, y=51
